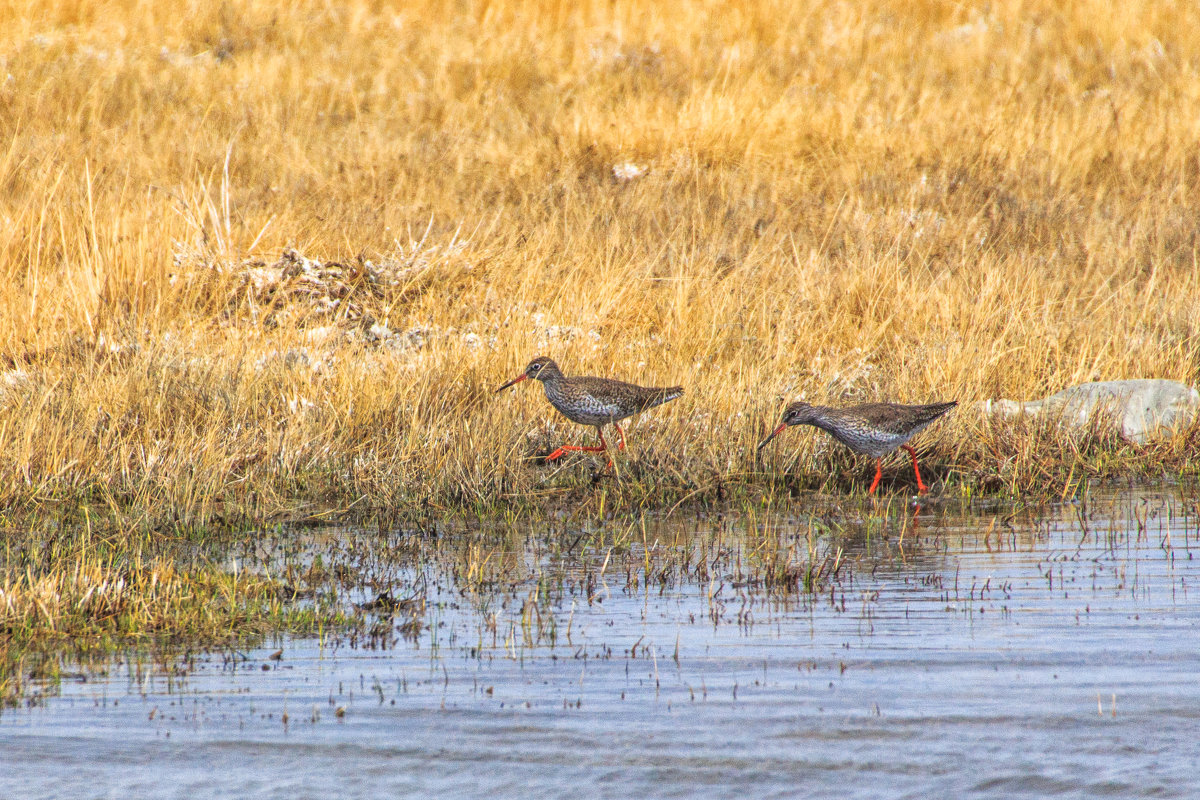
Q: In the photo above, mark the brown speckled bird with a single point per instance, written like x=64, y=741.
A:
x=592, y=401
x=873, y=429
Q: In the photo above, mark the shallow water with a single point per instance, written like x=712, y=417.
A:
x=992, y=652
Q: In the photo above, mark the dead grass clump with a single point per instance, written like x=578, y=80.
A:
x=301, y=292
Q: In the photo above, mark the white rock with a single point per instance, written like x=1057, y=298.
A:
x=1144, y=408
x=378, y=333
x=628, y=171
x=13, y=380
x=321, y=334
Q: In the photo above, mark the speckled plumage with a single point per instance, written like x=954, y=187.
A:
x=593, y=401
x=601, y=401
x=873, y=429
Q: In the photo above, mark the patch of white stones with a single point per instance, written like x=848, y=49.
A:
x=1142, y=409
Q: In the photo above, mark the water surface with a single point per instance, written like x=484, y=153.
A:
x=990, y=652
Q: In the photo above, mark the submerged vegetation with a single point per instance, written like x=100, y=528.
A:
x=268, y=262
x=79, y=597
x=87, y=593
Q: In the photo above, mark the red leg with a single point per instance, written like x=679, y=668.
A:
x=603, y=445
x=569, y=448
x=621, y=433
x=921, y=487
x=878, y=475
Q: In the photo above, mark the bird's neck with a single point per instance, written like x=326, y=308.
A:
x=817, y=418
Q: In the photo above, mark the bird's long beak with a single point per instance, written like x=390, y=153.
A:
x=514, y=381
x=774, y=433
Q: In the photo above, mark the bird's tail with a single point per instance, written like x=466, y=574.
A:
x=935, y=410
x=658, y=396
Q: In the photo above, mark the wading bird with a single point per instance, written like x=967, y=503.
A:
x=592, y=401
x=873, y=429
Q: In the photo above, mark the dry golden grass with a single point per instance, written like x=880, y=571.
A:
x=887, y=200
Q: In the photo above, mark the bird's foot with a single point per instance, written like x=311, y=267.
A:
x=569, y=448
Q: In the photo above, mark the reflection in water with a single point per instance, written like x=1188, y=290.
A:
x=990, y=652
